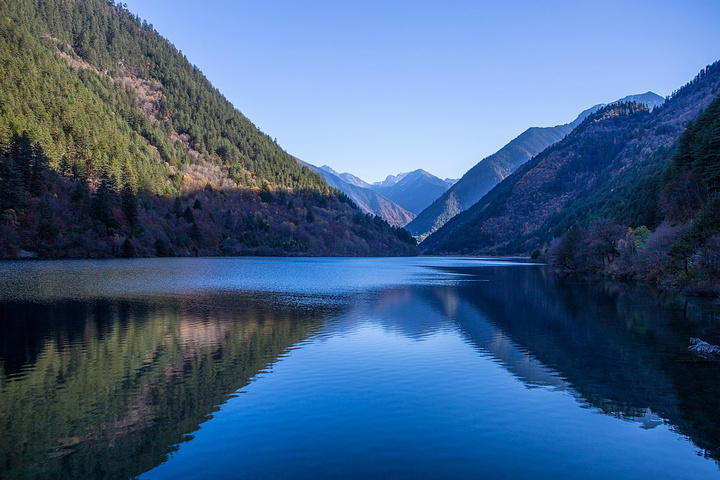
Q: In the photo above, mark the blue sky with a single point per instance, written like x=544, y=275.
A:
x=381, y=87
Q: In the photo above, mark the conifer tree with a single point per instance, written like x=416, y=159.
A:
x=130, y=206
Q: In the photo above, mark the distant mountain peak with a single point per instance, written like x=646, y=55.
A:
x=649, y=99
x=390, y=180
x=328, y=168
x=345, y=177
x=364, y=197
x=625, y=143
x=413, y=190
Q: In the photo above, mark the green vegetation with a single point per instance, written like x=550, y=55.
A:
x=77, y=117
x=629, y=193
x=684, y=249
x=130, y=380
x=58, y=216
x=100, y=89
x=481, y=178
x=510, y=217
x=104, y=126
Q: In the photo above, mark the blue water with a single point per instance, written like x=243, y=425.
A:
x=355, y=368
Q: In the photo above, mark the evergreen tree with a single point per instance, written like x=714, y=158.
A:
x=103, y=201
x=130, y=206
x=161, y=248
x=22, y=154
x=189, y=215
x=128, y=249
x=177, y=207
x=14, y=194
x=40, y=169
x=195, y=234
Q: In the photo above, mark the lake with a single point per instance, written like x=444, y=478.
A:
x=349, y=368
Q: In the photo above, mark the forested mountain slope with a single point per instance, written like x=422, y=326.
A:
x=93, y=99
x=615, y=171
x=480, y=179
x=129, y=94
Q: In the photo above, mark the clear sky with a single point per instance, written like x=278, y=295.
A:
x=380, y=87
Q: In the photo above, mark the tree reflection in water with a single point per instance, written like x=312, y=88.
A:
x=107, y=388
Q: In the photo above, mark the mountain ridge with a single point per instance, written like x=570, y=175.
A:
x=367, y=199
x=413, y=191
x=482, y=177
x=610, y=167
x=346, y=177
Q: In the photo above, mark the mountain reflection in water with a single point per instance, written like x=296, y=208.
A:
x=109, y=384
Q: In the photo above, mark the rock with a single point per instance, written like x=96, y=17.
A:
x=704, y=349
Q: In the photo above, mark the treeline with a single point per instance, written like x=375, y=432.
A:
x=52, y=214
x=681, y=250
x=102, y=90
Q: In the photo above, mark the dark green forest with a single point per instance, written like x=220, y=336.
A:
x=98, y=87
x=680, y=242
x=113, y=144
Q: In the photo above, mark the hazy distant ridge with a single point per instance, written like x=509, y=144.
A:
x=365, y=198
x=413, y=191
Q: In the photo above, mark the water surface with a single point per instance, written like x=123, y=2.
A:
x=348, y=368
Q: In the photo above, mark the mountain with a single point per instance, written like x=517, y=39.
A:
x=346, y=177
x=397, y=199
x=368, y=200
x=621, y=180
x=390, y=180
x=106, y=92
x=649, y=99
x=480, y=179
x=413, y=191
x=105, y=128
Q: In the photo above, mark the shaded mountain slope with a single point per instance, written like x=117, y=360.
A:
x=62, y=218
x=480, y=179
x=610, y=166
x=485, y=175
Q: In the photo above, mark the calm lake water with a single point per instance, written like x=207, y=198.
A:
x=349, y=368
